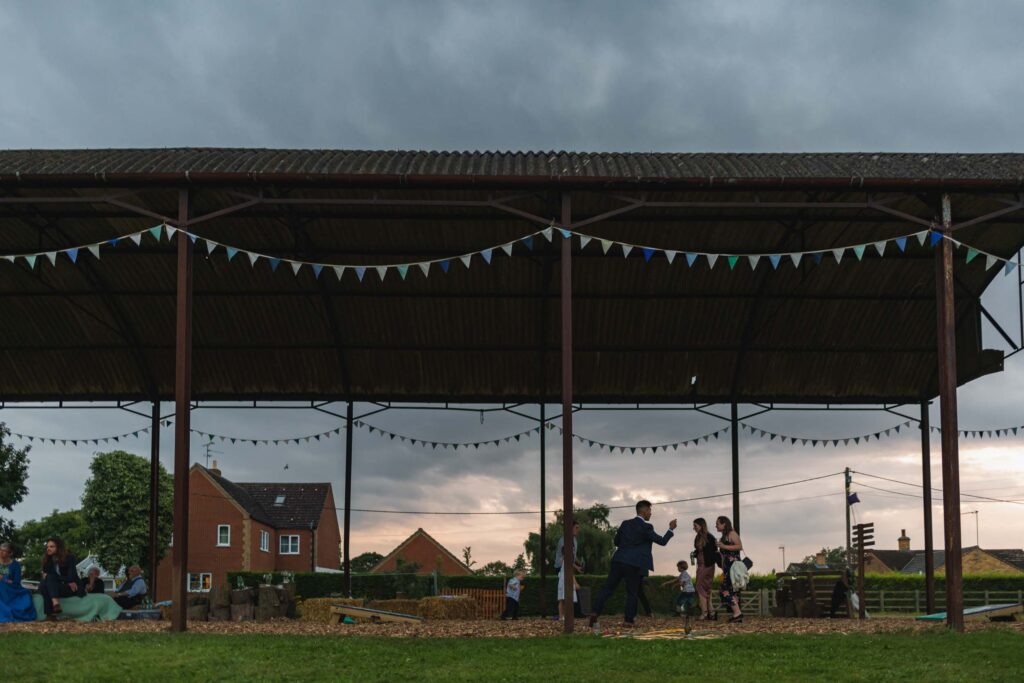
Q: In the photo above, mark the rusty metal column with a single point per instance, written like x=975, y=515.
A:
x=543, y=559
x=567, y=506
x=945, y=304
x=926, y=483
x=154, y=498
x=182, y=420
x=735, y=469
x=347, y=560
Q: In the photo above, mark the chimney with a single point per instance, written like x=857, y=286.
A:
x=904, y=540
x=215, y=469
x=819, y=560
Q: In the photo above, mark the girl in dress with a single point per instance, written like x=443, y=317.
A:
x=730, y=547
x=15, y=601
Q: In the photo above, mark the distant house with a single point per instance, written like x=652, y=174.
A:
x=975, y=560
x=259, y=527
x=424, y=550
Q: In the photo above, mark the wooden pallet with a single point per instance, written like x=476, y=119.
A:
x=1006, y=611
x=339, y=612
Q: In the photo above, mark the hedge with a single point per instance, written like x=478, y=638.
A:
x=387, y=586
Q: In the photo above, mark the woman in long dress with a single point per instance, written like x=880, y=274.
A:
x=15, y=601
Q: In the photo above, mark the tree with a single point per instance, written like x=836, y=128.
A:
x=495, y=568
x=364, y=563
x=116, y=508
x=520, y=563
x=13, y=474
x=595, y=541
x=30, y=537
x=467, y=557
x=835, y=558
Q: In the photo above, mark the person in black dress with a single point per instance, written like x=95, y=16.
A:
x=93, y=582
x=60, y=577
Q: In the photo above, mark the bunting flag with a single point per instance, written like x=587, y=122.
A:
x=825, y=441
x=649, y=253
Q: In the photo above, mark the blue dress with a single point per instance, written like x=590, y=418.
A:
x=15, y=601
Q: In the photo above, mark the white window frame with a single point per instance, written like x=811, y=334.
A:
x=264, y=541
x=287, y=538
x=204, y=582
x=220, y=543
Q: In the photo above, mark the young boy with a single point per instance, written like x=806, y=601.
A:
x=512, y=590
x=687, y=594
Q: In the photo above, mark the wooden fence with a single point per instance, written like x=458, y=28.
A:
x=490, y=602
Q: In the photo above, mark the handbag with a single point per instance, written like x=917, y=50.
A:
x=747, y=561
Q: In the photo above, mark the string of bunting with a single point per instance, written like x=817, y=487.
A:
x=691, y=258
x=592, y=443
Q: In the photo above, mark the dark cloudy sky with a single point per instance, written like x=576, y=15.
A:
x=652, y=76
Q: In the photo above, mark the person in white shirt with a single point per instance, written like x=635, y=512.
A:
x=687, y=593
x=559, y=553
x=513, y=588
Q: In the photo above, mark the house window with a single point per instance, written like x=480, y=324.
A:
x=265, y=541
x=223, y=535
x=279, y=501
x=200, y=583
x=289, y=545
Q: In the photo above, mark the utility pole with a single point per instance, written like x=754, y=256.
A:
x=783, y=549
x=977, y=537
x=849, y=551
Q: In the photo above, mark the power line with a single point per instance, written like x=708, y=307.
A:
x=919, y=486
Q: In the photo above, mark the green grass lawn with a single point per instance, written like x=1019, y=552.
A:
x=988, y=656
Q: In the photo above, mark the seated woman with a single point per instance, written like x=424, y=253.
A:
x=15, y=601
x=60, y=577
x=93, y=582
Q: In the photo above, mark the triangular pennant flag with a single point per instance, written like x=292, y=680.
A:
x=838, y=253
x=817, y=256
x=922, y=236
x=192, y=237
x=170, y=231
x=156, y=231
x=72, y=254
x=690, y=258
x=274, y=263
x=444, y=266
x=466, y=259
x=296, y=267
x=859, y=251
x=732, y=261
x=425, y=267
x=1010, y=265
x=507, y=248
x=796, y=259
x=52, y=256
x=880, y=247
x=486, y=254
x=935, y=237
x=231, y=252
x=565, y=233
x=381, y=271
x=971, y=254
x=339, y=271
x=528, y=241
x=606, y=245
x=94, y=249
x=317, y=267
x=626, y=248
x=648, y=253
x=547, y=232
x=137, y=238
x=990, y=261
x=901, y=242
x=753, y=258
x=403, y=270
x=585, y=240
x=775, y=259
x=670, y=256
x=253, y=257
x=360, y=272
x=712, y=258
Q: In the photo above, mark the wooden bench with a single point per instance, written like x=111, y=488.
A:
x=339, y=612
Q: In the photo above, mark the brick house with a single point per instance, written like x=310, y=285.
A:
x=424, y=550
x=254, y=527
x=975, y=560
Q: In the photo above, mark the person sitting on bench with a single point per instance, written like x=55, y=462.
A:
x=130, y=593
x=60, y=577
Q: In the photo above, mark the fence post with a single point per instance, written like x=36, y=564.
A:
x=986, y=598
x=764, y=602
x=917, y=601
x=1020, y=596
x=881, y=601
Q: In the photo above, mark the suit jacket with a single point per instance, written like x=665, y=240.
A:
x=633, y=543
x=66, y=572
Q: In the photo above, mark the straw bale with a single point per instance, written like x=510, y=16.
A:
x=319, y=609
x=448, y=607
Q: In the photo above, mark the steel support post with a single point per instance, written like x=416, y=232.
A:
x=543, y=556
x=348, y=501
x=926, y=483
x=567, y=503
x=735, y=468
x=947, y=410
x=154, y=498
x=182, y=421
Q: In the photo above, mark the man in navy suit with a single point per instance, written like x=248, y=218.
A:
x=632, y=559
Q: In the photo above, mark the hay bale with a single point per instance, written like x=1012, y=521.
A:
x=400, y=606
x=319, y=609
x=445, y=607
